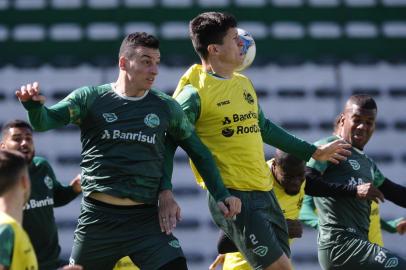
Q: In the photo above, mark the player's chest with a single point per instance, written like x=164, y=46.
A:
x=356, y=170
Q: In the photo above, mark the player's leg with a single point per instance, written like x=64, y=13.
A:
x=151, y=249
x=355, y=253
x=253, y=229
x=95, y=245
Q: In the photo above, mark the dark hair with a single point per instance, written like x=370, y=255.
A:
x=364, y=101
x=15, y=124
x=137, y=39
x=11, y=165
x=287, y=161
x=209, y=28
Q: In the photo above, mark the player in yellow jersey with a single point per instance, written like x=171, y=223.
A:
x=16, y=251
x=287, y=173
x=224, y=109
x=125, y=264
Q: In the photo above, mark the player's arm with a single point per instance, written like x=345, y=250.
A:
x=42, y=118
x=278, y=137
x=65, y=194
x=391, y=226
x=308, y=214
x=6, y=246
x=393, y=192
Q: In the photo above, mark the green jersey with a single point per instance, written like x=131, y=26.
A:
x=341, y=215
x=123, y=138
x=7, y=244
x=38, y=215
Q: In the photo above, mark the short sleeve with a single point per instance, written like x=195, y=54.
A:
x=6, y=246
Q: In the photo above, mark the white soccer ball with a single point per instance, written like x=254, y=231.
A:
x=249, y=49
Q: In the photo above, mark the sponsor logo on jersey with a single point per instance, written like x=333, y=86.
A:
x=48, y=182
x=392, y=262
x=174, y=243
x=227, y=132
x=152, y=120
x=354, y=164
x=110, y=117
x=226, y=121
x=32, y=203
x=355, y=182
x=260, y=251
x=244, y=116
x=136, y=136
x=248, y=97
x=222, y=103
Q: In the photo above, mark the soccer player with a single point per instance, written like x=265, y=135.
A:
x=224, y=109
x=290, y=187
x=123, y=131
x=309, y=217
x=344, y=222
x=16, y=251
x=46, y=193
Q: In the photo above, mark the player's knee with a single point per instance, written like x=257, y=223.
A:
x=178, y=263
x=283, y=263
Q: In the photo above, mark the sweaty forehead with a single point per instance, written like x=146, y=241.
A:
x=148, y=52
x=355, y=110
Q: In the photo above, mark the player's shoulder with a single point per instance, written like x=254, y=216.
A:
x=92, y=90
x=326, y=140
x=164, y=98
x=38, y=161
x=6, y=231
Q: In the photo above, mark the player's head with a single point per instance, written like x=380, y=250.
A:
x=14, y=175
x=17, y=135
x=289, y=171
x=139, y=58
x=215, y=34
x=357, y=122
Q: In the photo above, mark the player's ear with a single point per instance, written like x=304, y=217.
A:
x=122, y=61
x=212, y=49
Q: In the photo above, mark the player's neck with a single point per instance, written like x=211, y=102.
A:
x=123, y=87
x=11, y=208
x=218, y=68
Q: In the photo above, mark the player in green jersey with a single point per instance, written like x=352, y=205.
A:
x=124, y=125
x=46, y=193
x=223, y=106
x=344, y=222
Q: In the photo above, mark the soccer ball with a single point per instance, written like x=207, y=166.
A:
x=248, y=49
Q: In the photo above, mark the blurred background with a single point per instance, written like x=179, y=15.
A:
x=311, y=55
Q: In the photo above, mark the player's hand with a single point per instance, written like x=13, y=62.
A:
x=169, y=211
x=218, y=261
x=401, y=227
x=369, y=192
x=295, y=228
x=30, y=92
x=334, y=152
x=233, y=206
x=75, y=183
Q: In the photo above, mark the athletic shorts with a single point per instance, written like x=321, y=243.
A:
x=352, y=253
x=259, y=231
x=106, y=233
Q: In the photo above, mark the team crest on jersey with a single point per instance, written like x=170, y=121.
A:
x=152, y=120
x=110, y=117
x=48, y=182
x=174, y=243
x=260, y=251
x=354, y=164
x=248, y=97
x=392, y=262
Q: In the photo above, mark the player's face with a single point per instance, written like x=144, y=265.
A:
x=231, y=49
x=19, y=139
x=142, y=67
x=290, y=179
x=357, y=126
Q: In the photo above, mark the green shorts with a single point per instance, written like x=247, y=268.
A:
x=106, y=233
x=354, y=253
x=259, y=231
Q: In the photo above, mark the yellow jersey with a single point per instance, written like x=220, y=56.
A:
x=23, y=256
x=125, y=264
x=375, y=232
x=228, y=125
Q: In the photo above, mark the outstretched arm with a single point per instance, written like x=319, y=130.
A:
x=393, y=192
x=308, y=213
x=41, y=117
